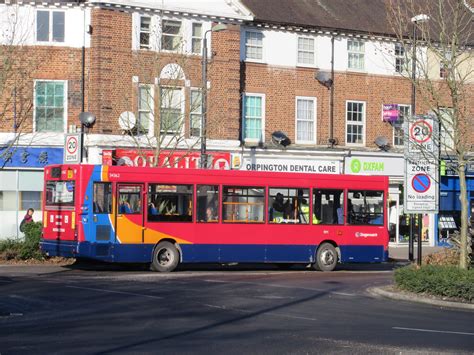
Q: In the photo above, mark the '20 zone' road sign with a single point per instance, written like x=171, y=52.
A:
x=421, y=187
x=421, y=165
x=72, y=149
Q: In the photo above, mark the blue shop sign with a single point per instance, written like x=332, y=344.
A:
x=30, y=157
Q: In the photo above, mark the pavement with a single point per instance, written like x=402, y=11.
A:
x=400, y=253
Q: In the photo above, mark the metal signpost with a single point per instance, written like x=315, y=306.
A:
x=421, y=192
x=72, y=148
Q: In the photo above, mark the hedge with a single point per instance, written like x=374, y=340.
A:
x=444, y=281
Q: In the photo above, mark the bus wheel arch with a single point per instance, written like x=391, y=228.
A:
x=327, y=256
x=166, y=256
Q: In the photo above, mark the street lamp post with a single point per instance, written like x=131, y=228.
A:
x=216, y=28
x=415, y=21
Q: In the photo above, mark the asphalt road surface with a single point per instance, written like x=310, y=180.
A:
x=218, y=310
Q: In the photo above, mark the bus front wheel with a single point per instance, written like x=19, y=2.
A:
x=165, y=257
x=326, y=258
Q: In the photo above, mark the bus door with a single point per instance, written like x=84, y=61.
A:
x=102, y=226
x=129, y=224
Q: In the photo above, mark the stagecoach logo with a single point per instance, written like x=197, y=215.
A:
x=365, y=235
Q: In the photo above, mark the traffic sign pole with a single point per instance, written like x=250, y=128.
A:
x=421, y=175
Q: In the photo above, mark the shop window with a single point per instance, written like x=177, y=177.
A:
x=365, y=207
x=30, y=199
x=288, y=205
x=328, y=206
x=8, y=201
x=170, y=203
x=207, y=203
x=242, y=204
x=102, y=197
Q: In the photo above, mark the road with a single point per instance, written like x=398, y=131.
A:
x=232, y=310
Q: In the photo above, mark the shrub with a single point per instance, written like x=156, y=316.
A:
x=9, y=249
x=444, y=257
x=444, y=281
x=15, y=249
x=30, y=248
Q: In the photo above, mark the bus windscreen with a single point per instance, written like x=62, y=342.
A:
x=60, y=193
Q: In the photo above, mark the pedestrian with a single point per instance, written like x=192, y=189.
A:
x=27, y=219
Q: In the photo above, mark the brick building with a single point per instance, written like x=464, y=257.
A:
x=316, y=72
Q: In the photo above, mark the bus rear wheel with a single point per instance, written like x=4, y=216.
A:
x=326, y=258
x=165, y=257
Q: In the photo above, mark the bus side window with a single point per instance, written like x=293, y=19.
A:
x=328, y=206
x=129, y=200
x=288, y=205
x=102, y=201
x=243, y=204
x=365, y=207
x=207, y=203
x=170, y=203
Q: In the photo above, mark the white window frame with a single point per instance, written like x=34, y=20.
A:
x=258, y=60
x=193, y=111
x=50, y=29
x=400, y=60
x=399, y=127
x=300, y=64
x=194, y=38
x=150, y=109
x=358, y=53
x=65, y=114
x=262, y=96
x=182, y=106
x=149, y=32
x=356, y=123
x=314, y=100
x=181, y=35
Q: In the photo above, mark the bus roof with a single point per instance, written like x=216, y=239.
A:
x=150, y=174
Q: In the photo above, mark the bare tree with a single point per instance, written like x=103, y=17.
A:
x=17, y=63
x=168, y=104
x=444, y=80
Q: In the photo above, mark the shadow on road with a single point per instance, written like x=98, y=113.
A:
x=94, y=265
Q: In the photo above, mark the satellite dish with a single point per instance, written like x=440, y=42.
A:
x=280, y=138
x=324, y=78
x=87, y=119
x=127, y=120
x=382, y=143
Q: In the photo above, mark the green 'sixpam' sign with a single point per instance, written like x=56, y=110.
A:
x=374, y=166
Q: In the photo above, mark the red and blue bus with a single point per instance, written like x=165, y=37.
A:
x=169, y=216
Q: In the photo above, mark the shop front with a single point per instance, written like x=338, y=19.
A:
x=21, y=184
x=393, y=166
x=449, y=218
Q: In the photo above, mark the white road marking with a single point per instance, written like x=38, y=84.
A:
x=118, y=292
x=285, y=286
x=432, y=331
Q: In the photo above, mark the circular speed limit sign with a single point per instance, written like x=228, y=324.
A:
x=72, y=145
x=421, y=131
